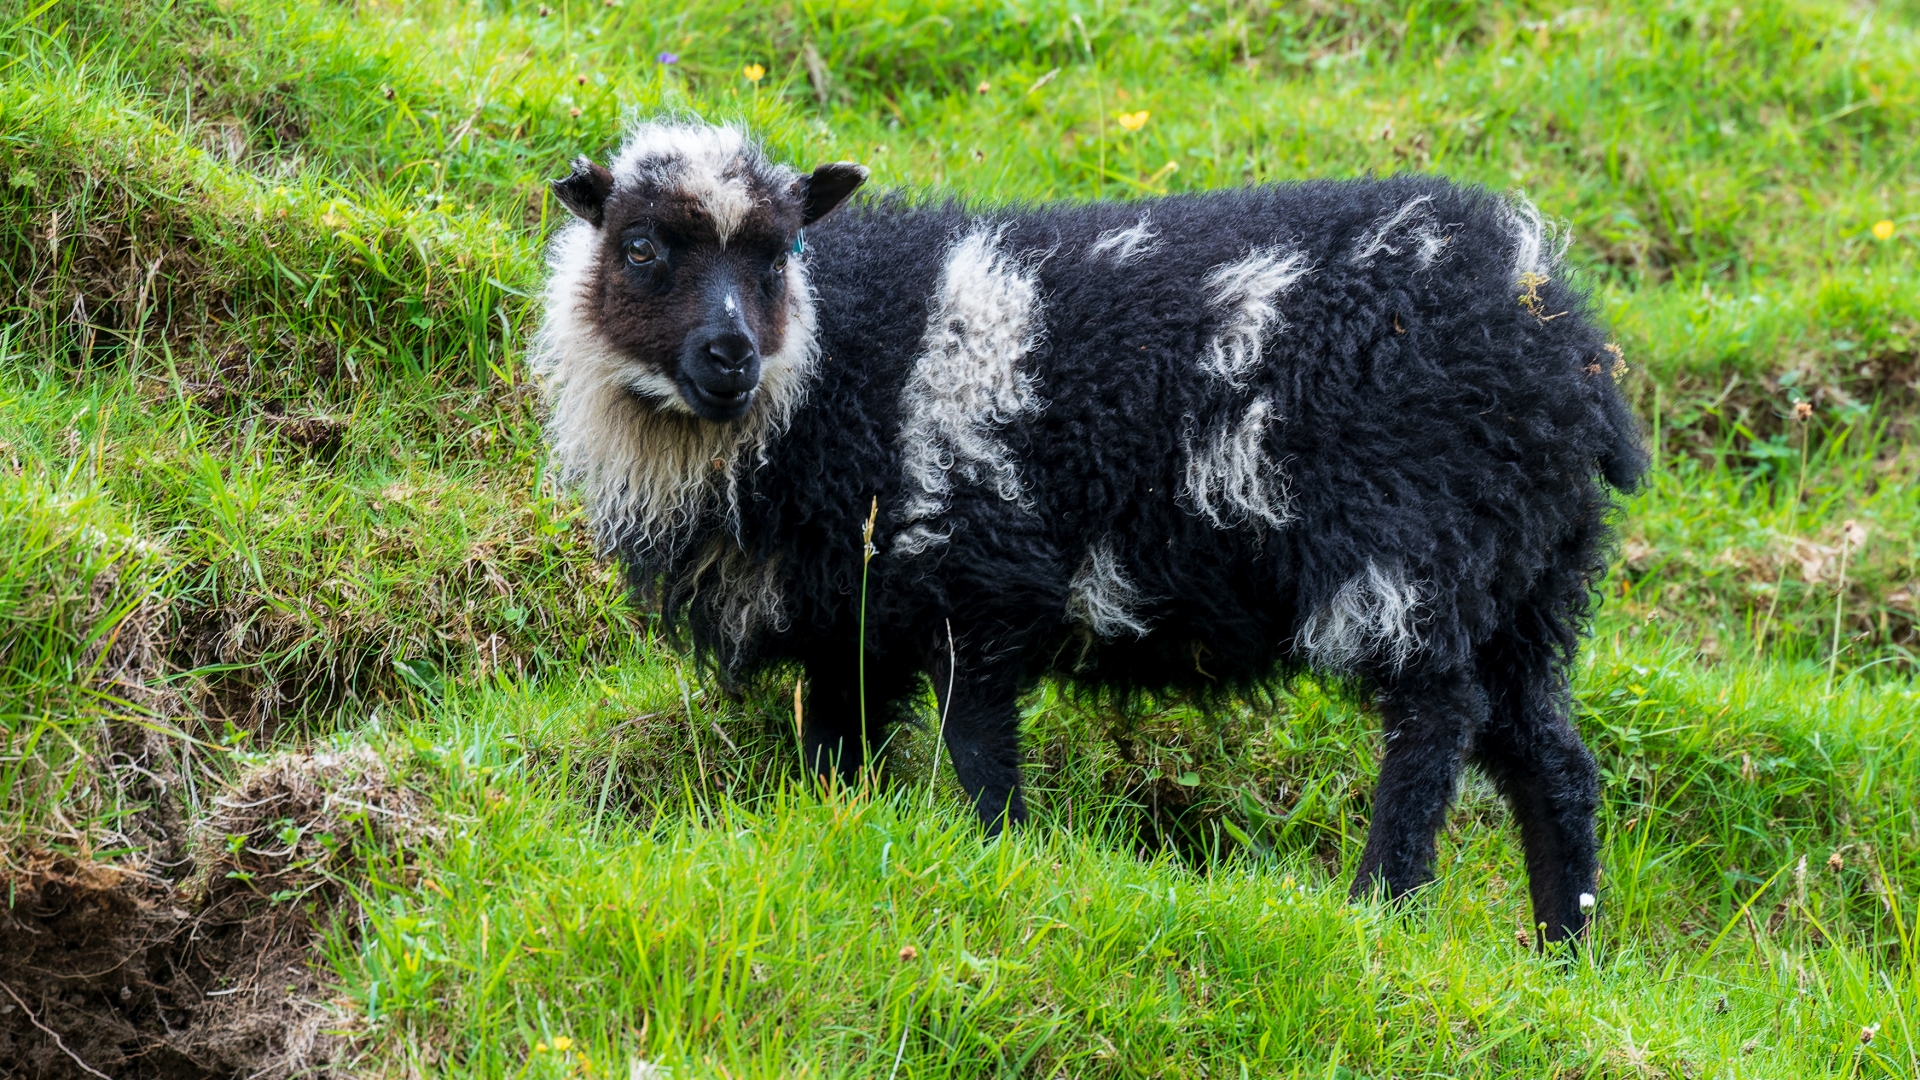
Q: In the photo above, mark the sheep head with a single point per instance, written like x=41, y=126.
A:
x=691, y=281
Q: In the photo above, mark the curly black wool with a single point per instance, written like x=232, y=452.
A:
x=1207, y=442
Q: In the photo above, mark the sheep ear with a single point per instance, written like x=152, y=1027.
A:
x=827, y=187
x=585, y=191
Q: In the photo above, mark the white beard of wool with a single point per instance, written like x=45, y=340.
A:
x=1102, y=598
x=967, y=384
x=646, y=469
x=1373, y=616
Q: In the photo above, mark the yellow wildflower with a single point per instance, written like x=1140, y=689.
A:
x=1883, y=230
x=1133, y=121
x=754, y=72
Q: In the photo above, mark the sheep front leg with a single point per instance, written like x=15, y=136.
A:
x=830, y=736
x=1430, y=723
x=979, y=717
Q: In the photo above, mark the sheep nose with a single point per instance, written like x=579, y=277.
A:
x=732, y=354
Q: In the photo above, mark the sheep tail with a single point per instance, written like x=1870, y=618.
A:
x=1623, y=455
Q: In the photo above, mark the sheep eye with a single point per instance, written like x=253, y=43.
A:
x=640, y=252
x=780, y=262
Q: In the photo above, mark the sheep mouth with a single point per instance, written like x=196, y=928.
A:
x=720, y=404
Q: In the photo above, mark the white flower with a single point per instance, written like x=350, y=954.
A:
x=1586, y=902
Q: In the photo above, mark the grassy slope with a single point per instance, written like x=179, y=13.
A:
x=301, y=464
x=764, y=941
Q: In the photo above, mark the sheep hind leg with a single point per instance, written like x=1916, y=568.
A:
x=1536, y=759
x=979, y=716
x=1430, y=722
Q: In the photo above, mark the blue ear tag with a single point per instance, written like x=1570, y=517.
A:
x=800, y=243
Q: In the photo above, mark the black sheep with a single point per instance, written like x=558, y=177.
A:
x=1363, y=428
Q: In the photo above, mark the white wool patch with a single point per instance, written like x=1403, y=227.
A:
x=1231, y=479
x=709, y=163
x=967, y=383
x=746, y=596
x=1372, y=617
x=1246, y=291
x=1101, y=597
x=1412, y=228
x=1121, y=246
x=647, y=468
x=1538, y=245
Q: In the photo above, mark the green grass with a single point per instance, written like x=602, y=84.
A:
x=763, y=936
x=271, y=473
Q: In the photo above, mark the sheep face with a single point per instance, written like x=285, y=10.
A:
x=693, y=245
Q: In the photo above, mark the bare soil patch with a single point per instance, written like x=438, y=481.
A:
x=109, y=971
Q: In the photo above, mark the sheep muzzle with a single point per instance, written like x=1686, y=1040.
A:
x=720, y=370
